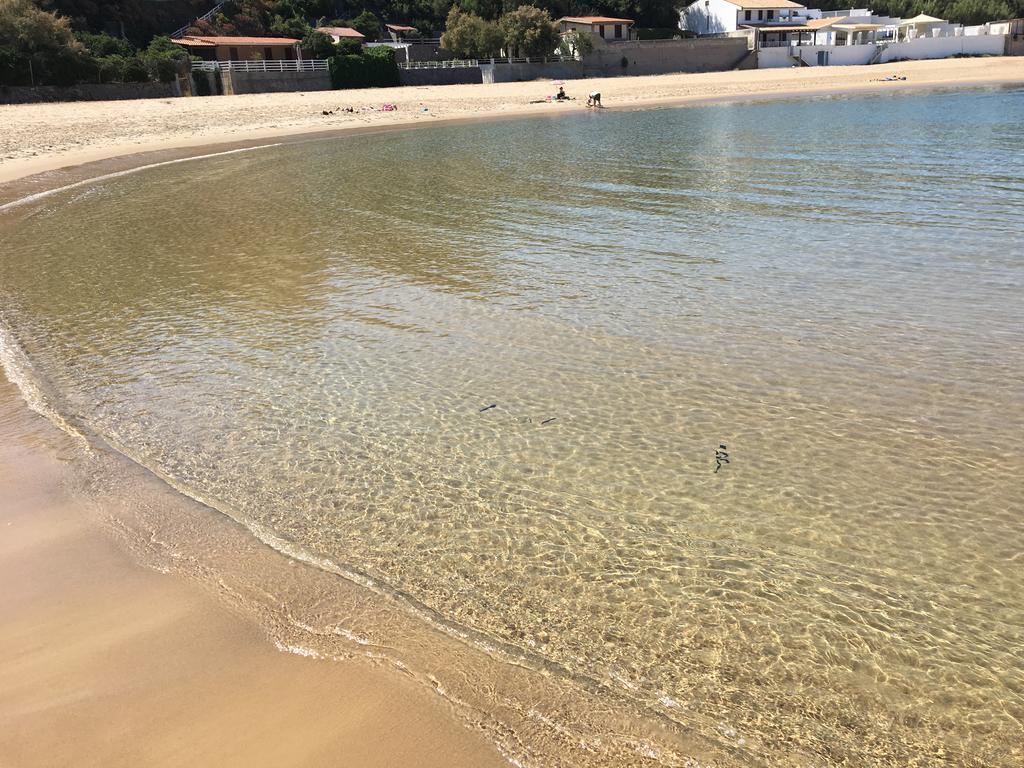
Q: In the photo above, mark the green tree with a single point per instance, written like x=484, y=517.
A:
x=576, y=44
x=485, y=9
x=367, y=24
x=38, y=47
x=529, y=32
x=290, y=27
x=469, y=37
x=104, y=44
x=318, y=45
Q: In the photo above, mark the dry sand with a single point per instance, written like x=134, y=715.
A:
x=105, y=663
x=41, y=137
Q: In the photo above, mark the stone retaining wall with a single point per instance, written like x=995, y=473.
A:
x=447, y=76
x=274, y=82
x=87, y=92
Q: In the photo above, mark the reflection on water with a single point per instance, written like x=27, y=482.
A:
x=308, y=338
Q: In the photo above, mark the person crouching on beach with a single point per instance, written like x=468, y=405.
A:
x=594, y=99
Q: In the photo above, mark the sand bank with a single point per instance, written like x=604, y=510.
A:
x=43, y=137
x=106, y=663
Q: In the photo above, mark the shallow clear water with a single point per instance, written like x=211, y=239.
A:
x=305, y=337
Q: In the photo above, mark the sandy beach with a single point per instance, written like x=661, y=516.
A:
x=109, y=663
x=44, y=137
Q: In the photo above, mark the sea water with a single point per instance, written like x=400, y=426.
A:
x=712, y=416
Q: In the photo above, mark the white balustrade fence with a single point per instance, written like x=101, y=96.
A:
x=262, y=65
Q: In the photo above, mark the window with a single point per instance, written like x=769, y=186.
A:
x=233, y=54
x=746, y=15
x=760, y=15
x=618, y=31
x=771, y=15
x=600, y=30
x=268, y=54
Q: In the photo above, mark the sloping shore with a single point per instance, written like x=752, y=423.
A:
x=107, y=663
x=43, y=137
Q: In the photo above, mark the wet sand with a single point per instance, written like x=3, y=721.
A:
x=43, y=137
x=107, y=663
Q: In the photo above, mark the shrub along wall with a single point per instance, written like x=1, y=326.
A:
x=87, y=92
x=374, y=68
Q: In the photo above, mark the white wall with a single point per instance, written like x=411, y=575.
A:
x=773, y=58
x=850, y=55
x=718, y=17
x=944, y=47
x=838, y=55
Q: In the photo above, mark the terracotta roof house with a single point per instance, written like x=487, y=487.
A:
x=231, y=48
x=338, y=33
x=397, y=32
x=606, y=28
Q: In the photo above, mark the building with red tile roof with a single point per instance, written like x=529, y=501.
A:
x=239, y=48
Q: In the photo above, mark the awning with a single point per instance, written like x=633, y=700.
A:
x=858, y=27
x=921, y=18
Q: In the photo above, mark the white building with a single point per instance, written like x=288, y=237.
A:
x=716, y=17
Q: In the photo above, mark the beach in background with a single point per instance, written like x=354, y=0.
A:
x=44, y=137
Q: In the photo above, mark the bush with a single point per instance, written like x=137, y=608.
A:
x=318, y=45
x=201, y=84
x=135, y=70
x=105, y=45
x=346, y=46
x=164, y=70
x=375, y=68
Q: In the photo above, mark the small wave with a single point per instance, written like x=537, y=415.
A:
x=117, y=174
x=19, y=371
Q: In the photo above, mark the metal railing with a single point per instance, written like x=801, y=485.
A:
x=450, y=64
x=453, y=63
x=205, y=17
x=263, y=65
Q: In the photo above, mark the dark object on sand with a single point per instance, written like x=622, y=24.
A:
x=721, y=457
x=488, y=407
x=548, y=421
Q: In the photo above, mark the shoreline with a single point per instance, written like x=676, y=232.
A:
x=145, y=131
x=111, y=663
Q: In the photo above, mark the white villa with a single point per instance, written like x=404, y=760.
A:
x=715, y=17
x=787, y=34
